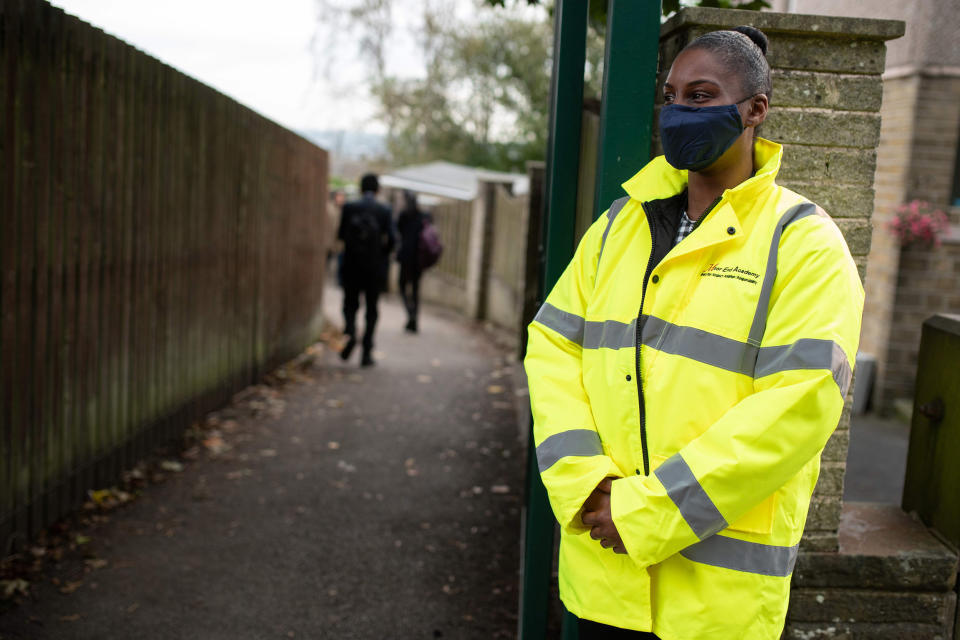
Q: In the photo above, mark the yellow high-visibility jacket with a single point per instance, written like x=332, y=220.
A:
x=748, y=329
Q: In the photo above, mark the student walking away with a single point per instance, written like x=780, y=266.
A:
x=366, y=230
x=688, y=368
x=415, y=254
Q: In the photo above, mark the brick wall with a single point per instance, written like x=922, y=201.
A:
x=890, y=183
x=917, y=155
x=827, y=93
x=927, y=283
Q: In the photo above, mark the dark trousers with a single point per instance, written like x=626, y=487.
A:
x=590, y=630
x=351, y=304
x=410, y=291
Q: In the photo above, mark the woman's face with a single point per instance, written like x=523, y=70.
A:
x=696, y=79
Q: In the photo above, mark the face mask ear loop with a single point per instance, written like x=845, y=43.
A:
x=749, y=97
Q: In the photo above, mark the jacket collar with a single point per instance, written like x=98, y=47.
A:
x=659, y=180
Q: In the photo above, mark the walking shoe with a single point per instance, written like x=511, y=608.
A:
x=367, y=360
x=348, y=348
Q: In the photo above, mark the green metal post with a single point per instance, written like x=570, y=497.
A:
x=563, y=151
x=629, y=86
x=633, y=31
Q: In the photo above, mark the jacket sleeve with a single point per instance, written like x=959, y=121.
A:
x=803, y=371
x=569, y=453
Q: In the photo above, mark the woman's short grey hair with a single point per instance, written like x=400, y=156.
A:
x=743, y=50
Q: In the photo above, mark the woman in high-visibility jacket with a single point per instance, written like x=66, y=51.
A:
x=688, y=369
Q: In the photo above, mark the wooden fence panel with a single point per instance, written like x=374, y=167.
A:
x=162, y=247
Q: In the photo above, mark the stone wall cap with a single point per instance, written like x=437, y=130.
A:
x=946, y=322
x=874, y=529
x=771, y=22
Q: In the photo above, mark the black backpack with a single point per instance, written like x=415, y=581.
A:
x=362, y=235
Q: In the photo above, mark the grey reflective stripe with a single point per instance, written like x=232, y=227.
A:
x=722, y=352
x=740, y=555
x=609, y=335
x=567, y=324
x=694, y=504
x=612, y=212
x=576, y=442
x=806, y=353
x=702, y=346
x=759, y=324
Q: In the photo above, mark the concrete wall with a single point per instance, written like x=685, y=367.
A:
x=482, y=271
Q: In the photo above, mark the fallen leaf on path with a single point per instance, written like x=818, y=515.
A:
x=82, y=539
x=239, y=473
x=500, y=489
x=215, y=445
x=494, y=389
x=11, y=588
x=172, y=466
x=343, y=465
x=424, y=379
x=70, y=587
x=95, y=563
x=335, y=403
x=333, y=445
x=133, y=607
x=268, y=453
x=411, y=467
x=435, y=362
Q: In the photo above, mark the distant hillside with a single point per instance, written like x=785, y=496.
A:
x=348, y=145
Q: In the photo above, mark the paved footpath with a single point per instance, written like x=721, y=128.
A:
x=351, y=503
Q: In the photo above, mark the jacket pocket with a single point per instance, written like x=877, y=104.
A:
x=759, y=519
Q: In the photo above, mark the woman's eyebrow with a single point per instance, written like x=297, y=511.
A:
x=693, y=83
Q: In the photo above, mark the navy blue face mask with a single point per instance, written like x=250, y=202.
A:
x=695, y=137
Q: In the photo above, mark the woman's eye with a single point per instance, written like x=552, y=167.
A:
x=667, y=99
x=699, y=96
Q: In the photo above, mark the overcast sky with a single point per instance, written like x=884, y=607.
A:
x=254, y=51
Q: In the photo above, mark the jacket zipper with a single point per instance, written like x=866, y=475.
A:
x=651, y=222
x=646, y=276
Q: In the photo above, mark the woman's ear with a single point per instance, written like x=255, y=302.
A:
x=757, y=109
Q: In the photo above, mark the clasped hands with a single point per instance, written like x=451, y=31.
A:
x=596, y=515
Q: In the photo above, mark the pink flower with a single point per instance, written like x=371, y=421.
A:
x=917, y=222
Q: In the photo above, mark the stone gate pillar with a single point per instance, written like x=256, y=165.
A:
x=881, y=575
x=825, y=111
